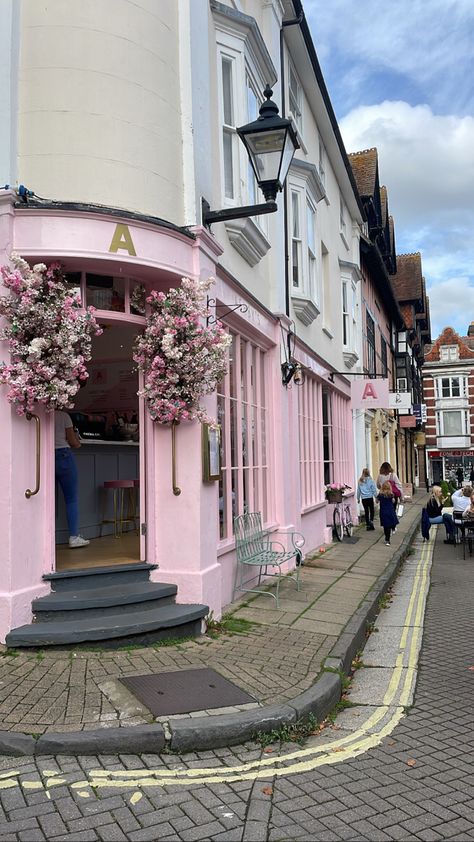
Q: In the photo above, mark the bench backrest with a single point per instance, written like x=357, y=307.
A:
x=250, y=538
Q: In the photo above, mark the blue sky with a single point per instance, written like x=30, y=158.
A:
x=401, y=77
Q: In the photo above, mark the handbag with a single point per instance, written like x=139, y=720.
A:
x=400, y=509
x=395, y=489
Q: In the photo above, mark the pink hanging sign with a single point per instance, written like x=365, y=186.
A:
x=369, y=393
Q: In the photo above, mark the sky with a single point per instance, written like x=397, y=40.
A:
x=400, y=76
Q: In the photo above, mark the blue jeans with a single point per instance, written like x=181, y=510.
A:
x=66, y=475
x=448, y=523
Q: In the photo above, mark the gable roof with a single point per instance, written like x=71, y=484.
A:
x=408, y=279
x=365, y=168
x=449, y=336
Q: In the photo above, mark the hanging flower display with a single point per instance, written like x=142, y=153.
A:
x=181, y=358
x=48, y=335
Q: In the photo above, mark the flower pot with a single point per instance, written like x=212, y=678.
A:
x=334, y=496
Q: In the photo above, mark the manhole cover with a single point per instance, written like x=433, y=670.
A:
x=184, y=691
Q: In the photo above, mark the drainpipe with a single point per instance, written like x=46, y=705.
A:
x=292, y=22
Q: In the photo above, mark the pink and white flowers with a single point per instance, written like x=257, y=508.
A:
x=181, y=358
x=48, y=335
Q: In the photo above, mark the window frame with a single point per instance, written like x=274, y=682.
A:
x=440, y=422
x=371, y=348
x=309, y=286
x=310, y=442
x=448, y=353
x=243, y=399
x=297, y=114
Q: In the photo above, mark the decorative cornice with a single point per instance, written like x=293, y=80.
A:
x=247, y=239
x=310, y=173
x=305, y=309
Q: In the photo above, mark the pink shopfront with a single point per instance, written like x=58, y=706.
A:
x=278, y=446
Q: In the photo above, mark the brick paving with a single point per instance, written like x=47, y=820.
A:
x=377, y=796
x=65, y=691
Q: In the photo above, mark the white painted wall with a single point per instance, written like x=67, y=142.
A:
x=9, y=16
x=99, y=116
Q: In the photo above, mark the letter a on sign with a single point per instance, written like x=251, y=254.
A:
x=122, y=240
x=369, y=392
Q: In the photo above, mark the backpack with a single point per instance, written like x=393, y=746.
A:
x=395, y=489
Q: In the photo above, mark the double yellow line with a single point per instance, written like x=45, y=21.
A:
x=384, y=719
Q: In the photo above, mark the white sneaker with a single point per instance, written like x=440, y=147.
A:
x=77, y=541
x=387, y=543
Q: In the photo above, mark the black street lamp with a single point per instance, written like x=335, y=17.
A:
x=271, y=142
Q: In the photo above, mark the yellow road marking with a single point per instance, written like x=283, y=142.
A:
x=303, y=760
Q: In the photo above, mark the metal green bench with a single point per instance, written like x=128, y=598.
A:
x=257, y=552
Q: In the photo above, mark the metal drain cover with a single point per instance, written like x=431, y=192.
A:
x=185, y=691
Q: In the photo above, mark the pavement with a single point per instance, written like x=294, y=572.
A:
x=291, y=660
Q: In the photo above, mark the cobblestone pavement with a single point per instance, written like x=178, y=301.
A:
x=416, y=785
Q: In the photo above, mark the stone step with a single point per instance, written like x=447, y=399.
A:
x=98, y=602
x=114, y=574
x=168, y=621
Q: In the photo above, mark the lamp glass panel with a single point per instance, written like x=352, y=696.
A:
x=287, y=157
x=265, y=149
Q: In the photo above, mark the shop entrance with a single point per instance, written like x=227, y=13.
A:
x=108, y=417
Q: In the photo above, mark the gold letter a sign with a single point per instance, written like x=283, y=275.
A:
x=122, y=240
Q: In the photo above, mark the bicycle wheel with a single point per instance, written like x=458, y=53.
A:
x=337, y=523
x=348, y=525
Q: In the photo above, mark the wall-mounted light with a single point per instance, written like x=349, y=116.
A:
x=271, y=142
x=292, y=370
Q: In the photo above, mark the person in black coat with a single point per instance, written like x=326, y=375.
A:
x=460, y=476
x=388, y=517
x=435, y=513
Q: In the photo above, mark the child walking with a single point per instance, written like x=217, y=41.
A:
x=366, y=491
x=388, y=517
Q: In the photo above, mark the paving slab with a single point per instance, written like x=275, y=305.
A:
x=278, y=659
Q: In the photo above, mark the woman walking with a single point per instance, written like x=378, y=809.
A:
x=387, y=474
x=434, y=508
x=366, y=491
x=388, y=517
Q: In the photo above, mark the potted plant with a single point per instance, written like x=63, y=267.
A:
x=334, y=491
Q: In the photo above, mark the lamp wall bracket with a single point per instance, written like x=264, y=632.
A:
x=208, y=216
x=231, y=308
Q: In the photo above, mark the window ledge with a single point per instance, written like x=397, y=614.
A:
x=305, y=309
x=350, y=358
x=248, y=239
x=344, y=240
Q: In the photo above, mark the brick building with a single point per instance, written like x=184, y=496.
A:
x=448, y=387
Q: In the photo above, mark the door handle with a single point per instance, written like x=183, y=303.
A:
x=28, y=492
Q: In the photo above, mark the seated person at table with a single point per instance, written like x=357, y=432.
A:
x=434, y=509
x=461, y=499
x=468, y=513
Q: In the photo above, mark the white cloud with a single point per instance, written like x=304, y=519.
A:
x=427, y=164
x=429, y=41
x=452, y=305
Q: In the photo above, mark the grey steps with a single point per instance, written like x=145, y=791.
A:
x=169, y=620
x=68, y=604
x=98, y=577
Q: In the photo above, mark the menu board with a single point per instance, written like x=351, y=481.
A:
x=112, y=386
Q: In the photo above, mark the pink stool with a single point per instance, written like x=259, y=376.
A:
x=120, y=488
